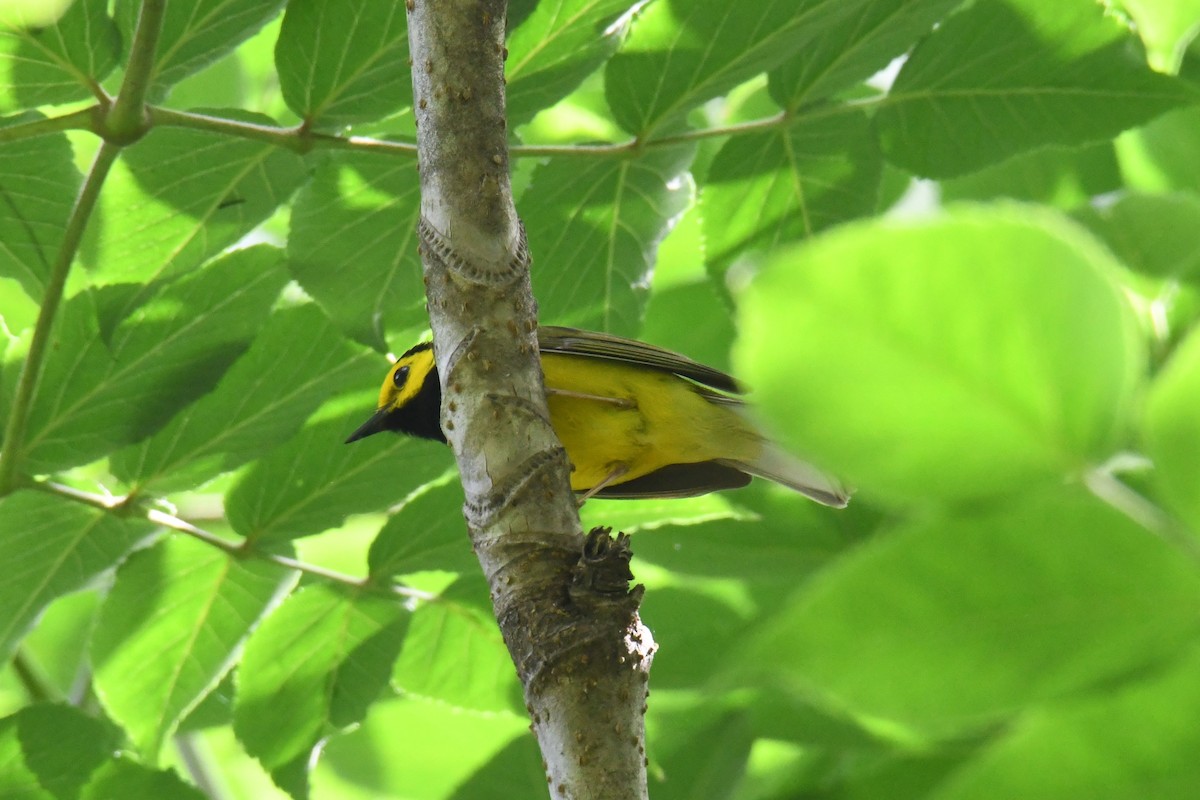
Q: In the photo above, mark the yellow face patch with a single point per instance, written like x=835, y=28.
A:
x=406, y=377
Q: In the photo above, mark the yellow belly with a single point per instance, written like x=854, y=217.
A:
x=658, y=420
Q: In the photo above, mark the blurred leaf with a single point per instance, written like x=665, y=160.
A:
x=594, y=249
x=60, y=62
x=1153, y=234
x=961, y=357
x=703, y=754
x=1163, y=155
x=954, y=623
x=854, y=49
x=1165, y=28
x=344, y=61
x=54, y=547
x=1059, y=176
x=38, y=183
x=1005, y=76
x=683, y=52
x=353, y=245
x=554, y=49
x=93, y=399
x=197, y=33
x=296, y=362
x=63, y=746
x=170, y=629
x=454, y=653
x=314, y=667
x=426, y=533
x=1173, y=430
x=785, y=184
x=314, y=481
x=17, y=780
x=125, y=779
x=180, y=196
x=1131, y=743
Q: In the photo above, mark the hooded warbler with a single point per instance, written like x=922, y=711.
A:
x=636, y=420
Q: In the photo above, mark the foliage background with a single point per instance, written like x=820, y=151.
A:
x=203, y=589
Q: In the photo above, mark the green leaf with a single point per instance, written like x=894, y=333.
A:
x=701, y=752
x=1173, y=430
x=683, y=52
x=454, y=653
x=314, y=667
x=1153, y=234
x=1059, y=176
x=17, y=780
x=1136, y=742
x=94, y=398
x=1164, y=155
x=180, y=196
x=295, y=363
x=38, y=183
x=55, y=546
x=554, y=49
x=1165, y=28
x=170, y=629
x=125, y=779
x=60, y=62
x=594, y=249
x=1005, y=76
x=353, y=248
x=764, y=189
x=426, y=533
x=197, y=33
x=954, y=623
x=344, y=61
x=947, y=359
x=63, y=746
x=854, y=49
x=314, y=482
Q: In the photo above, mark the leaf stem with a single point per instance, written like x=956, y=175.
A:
x=36, y=687
x=1112, y=491
x=85, y=203
x=128, y=120
x=83, y=119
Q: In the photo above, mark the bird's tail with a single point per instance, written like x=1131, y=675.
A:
x=776, y=465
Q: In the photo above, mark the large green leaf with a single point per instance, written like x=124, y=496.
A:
x=171, y=627
x=61, y=62
x=765, y=189
x=1163, y=155
x=54, y=546
x=353, y=245
x=426, y=533
x=957, y=622
x=296, y=362
x=197, y=33
x=180, y=196
x=63, y=746
x=958, y=357
x=683, y=52
x=1155, y=234
x=314, y=482
x=1065, y=177
x=94, y=398
x=854, y=48
x=594, y=226
x=1166, y=28
x=1173, y=430
x=126, y=778
x=1136, y=742
x=344, y=61
x=38, y=183
x=1005, y=76
x=312, y=668
x=553, y=49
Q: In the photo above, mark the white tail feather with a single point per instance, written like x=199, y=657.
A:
x=776, y=465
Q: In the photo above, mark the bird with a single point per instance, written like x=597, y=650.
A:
x=636, y=420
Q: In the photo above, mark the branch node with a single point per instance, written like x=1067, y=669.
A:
x=438, y=247
x=602, y=574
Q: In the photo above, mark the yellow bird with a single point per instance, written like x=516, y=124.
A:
x=636, y=420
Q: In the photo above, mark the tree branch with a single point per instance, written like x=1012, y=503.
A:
x=127, y=120
x=580, y=649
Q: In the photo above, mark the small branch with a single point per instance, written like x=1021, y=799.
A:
x=83, y=119
x=36, y=687
x=127, y=120
x=85, y=203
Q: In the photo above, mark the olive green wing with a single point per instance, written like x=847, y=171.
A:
x=555, y=339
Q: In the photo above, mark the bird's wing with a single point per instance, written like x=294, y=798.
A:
x=555, y=339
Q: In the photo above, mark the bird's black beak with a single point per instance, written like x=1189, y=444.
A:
x=377, y=423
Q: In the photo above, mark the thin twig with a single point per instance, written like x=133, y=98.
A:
x=18, y=415
x=127, y=119
x=36, y=687
x=83, y=119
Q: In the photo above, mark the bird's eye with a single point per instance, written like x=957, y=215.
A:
x=400, y=376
